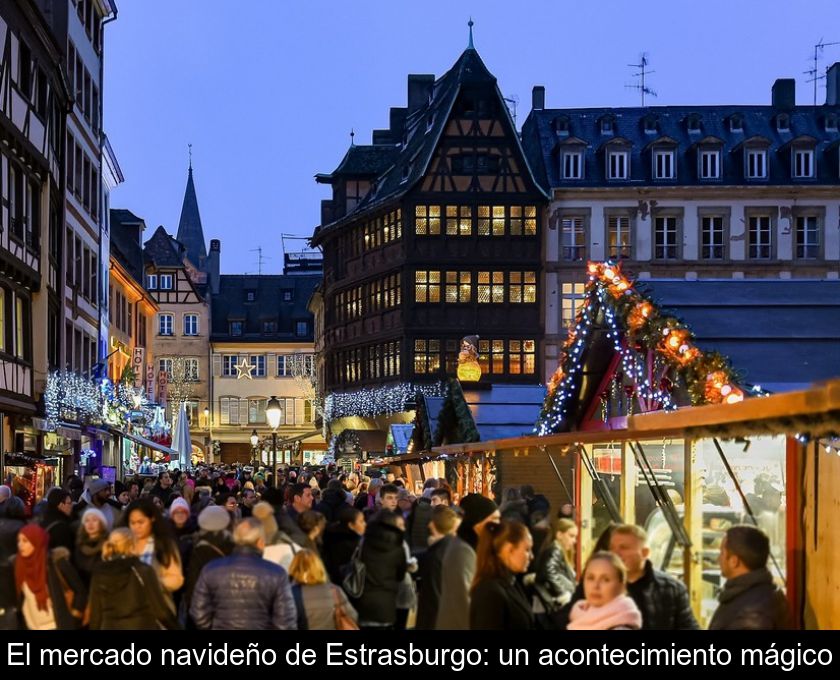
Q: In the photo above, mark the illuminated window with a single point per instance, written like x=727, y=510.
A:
x=458, y=286
x=572, y=300
x=458, y=220
x=427, y=220
x=523, y=221
x=523, y=286
x=498, y=220
x=426, y=356
x=522, y=357
x=483, y=224
x=427, y=286
x=491, y=287
x=573, y=235
x=619, y=237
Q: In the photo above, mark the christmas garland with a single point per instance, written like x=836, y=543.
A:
x=636, y=326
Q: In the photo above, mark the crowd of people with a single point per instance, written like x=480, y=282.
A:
x=226, y=548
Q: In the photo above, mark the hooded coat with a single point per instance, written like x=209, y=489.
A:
x=385, y=566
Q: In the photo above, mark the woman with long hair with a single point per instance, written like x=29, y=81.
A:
x=498, y=601
x=90, y=537
x=154, y=543
x=317, y=600
x=606, y=605
x=50, y=593
x=141, y=604
x=555, y=572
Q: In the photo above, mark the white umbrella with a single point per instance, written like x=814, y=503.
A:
x=181, y=441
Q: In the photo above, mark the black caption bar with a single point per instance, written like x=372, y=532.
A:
x=455, y=653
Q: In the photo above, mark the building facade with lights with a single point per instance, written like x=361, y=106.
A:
x=180, y=277
x=433, y=232
x=690, y=193
x=32, y=129
x=262, y=346
x=132, y=310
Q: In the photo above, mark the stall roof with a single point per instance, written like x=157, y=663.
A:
x=505, y=410
x=778, y=333
x=815, y=411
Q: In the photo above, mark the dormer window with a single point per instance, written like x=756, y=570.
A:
x=618, y=164
x=803, y=163
x=756, y=163
x=664, y=164
x=607, y=127
x=831, y=122
x=692, y=123
x=572, y=164
x=650, y=125
x=783, y=122
x=736, y=123
x=710, y=164
x=287, y=296
x=561, y=126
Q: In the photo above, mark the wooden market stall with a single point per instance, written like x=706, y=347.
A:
x=773, y=460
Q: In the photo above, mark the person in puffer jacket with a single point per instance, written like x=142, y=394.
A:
x=244, y=591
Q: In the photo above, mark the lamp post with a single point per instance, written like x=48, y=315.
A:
x=273, y=414
x=255, y=439
x=209, y=457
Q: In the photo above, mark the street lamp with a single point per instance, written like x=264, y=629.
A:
x=255, y=439
x=273, y=414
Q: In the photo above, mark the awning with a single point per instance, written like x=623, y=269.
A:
x=149, y=443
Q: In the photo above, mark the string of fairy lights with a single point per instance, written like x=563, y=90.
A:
x=369, y=403
x=637, y=330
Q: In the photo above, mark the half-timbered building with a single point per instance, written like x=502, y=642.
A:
x=33, y=100
x=433, y=233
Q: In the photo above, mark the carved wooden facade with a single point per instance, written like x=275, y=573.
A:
x=445, y=243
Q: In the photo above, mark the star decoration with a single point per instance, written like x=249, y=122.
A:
x=244, y=369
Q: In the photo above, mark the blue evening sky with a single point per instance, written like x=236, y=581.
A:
x=268, y=90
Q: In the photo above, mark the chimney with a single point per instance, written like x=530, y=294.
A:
x=832, y=85
x=784, y=93
x=419, y=88
x=538, y=97
x=213, y=264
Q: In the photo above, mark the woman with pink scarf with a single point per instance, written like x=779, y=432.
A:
x=606, y=605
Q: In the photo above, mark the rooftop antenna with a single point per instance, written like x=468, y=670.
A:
x=513, y=100
x=260, y=258
x=640, y=86
x=818, y=48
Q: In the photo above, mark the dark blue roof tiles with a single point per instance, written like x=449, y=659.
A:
x=190, y=232
x=687, y=127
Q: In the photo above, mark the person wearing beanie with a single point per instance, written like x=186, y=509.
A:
x=212, y=542
x=98, y=495
x=458, y=567
x=90, y=537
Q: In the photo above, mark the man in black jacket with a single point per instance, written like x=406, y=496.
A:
x=749, y=600
x=662, y=599
x=442, y=528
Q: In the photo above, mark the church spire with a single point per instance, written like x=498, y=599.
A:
x=190, y=233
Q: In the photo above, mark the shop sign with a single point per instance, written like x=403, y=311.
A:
x=163, y=387
x=138, y=359
x=150, y=382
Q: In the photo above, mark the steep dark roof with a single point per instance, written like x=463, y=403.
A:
x=190, y=232
x=126, y=242
x=541, y=141
x=231, y=304
x=779, y=334
x=422, y=132
x=365, y=160
x=162, y=250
